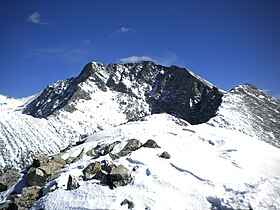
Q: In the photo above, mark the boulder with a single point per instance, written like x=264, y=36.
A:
x=28, y=196
x=132, y=145
x=120, y=176
x=9, y=178
x=52, y=169
x=130, y=204
x=150, y=144
x=36, y=177
x=165, y=155
x=91, y=170
x=72, y=183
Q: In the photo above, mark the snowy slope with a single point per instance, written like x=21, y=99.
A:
x=22, y=136
x=247, y=109
x=208, y=167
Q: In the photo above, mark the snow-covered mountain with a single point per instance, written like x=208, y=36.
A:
x=155, y=138
x=251, y=111
x=101, y=97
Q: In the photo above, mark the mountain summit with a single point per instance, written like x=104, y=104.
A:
x=160, y=89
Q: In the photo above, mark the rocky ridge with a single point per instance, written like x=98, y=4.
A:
x=251, y=111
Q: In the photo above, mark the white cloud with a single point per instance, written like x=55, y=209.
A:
x=135, y=59
x=266, y=90
x=167, y=59
x=35, y=18
x=122, y=30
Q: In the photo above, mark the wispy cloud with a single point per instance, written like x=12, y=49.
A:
x=35, y=18
x=122, y=30
x=165, y=60
x=72, y=53
x=135, y=59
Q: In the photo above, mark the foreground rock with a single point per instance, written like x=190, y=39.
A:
x=132, y=145
x=151, y=144
x=120, y=176
x=28, y=196
x=108, y=174
x=130, y=204
x=72, y=183
x=42, y=170
x=9, y=177
x=36, y=177
x=165, y=155
x=91, y=170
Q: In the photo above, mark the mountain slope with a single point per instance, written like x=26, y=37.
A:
x=251, y=111
x=23, y=136
x=208, y=167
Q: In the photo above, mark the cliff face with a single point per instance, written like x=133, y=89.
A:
x=172, y=90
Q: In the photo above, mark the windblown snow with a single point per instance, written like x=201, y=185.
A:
x=209, y=168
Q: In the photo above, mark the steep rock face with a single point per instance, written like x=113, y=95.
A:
x=140, y=89
x=249, y=110
x=178, y=92
x=58, y=94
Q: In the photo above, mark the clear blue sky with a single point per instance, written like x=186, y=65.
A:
x=227, y=42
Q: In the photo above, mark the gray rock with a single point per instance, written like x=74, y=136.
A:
x=91, y=170
x=36, y=177
x=130, y=204
x=165, y=155
x=28, y=196
x=151, y=144
x=52, y=169
x=132, y=145
x=9, y=178
x=120, y=176
x=72, y=183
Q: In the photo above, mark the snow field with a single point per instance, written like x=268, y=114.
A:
x=226, y=167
